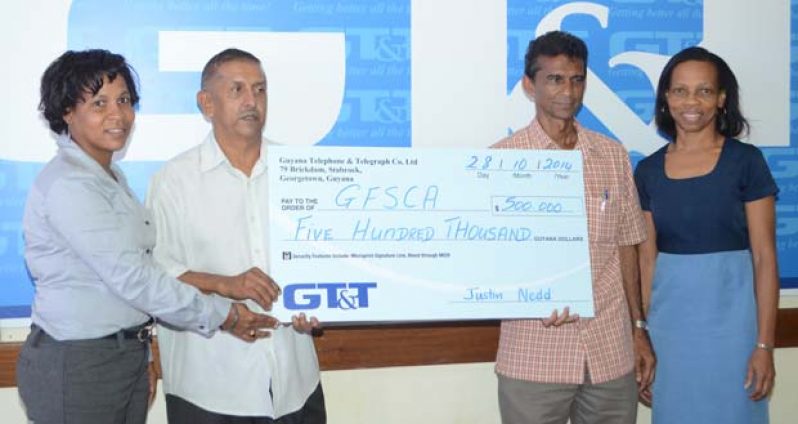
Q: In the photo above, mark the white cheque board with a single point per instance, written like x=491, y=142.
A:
x=398, y=234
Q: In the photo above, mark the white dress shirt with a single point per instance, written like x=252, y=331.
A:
x=212, y=218
x=88, y=247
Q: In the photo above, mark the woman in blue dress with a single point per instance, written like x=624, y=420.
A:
x=709, y=265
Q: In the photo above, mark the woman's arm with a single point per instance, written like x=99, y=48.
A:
x=761, y=219
x=647, y=256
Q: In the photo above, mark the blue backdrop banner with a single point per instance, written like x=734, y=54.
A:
x=392, y=73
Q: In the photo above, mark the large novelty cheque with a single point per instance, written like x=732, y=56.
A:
x=398, y=234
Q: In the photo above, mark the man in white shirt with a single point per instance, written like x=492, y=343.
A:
x=210, y=208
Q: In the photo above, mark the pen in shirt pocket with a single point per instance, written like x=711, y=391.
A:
x=604, y=198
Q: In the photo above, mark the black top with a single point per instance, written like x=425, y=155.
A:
x=706, y=213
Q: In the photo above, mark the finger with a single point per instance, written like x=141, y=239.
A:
x=256, y=277
x=566, y=315
x=761, y=387
x=652, y=375
x=769, y=386
x=314, y=322
x=639, y=371
x=254, y=321
x=268, y=282
x=242, y=332
x=274, y=284
x=153, y=390
x=302, y=324
x=643, y=369
x=551, y=319
x=563, y=318
x=646, y=377
x=754, y=385
x=264, y=321
x=648, y=372
x=262, y=334
x=262, y=297
x=749, y=377
x=252, y=334
x=646, y=396
x=302, y=320
x=267, y=285
x=299, y=323
x=760, y=391
x=247, y=336
x=275, y=287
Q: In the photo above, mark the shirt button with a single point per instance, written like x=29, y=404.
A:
x=148, y=251
x=146, y=222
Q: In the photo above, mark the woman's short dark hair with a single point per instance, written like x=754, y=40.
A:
x=551, y=44
x=729, y=122
x=74, y=73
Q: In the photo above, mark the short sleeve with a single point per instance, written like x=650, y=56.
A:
x=756, y=181
x=640, y=182
x=632, y=227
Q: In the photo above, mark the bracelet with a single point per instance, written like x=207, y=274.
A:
x=235, y=318
x=641, y=324
x=765, y=347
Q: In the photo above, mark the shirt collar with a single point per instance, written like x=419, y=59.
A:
x=211, y=155
x=538, y=136
x=70, y=149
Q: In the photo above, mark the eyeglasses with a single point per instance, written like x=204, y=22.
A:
x=701, y=93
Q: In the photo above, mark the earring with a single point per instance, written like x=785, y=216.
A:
x=723, y=123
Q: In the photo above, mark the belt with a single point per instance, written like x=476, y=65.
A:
x=142, y=332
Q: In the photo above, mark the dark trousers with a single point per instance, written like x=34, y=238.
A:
x=83, y=381
x=180, y=411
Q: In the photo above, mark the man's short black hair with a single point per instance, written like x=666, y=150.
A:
x=227, y=55
x=76, y=73
x=551, y=44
